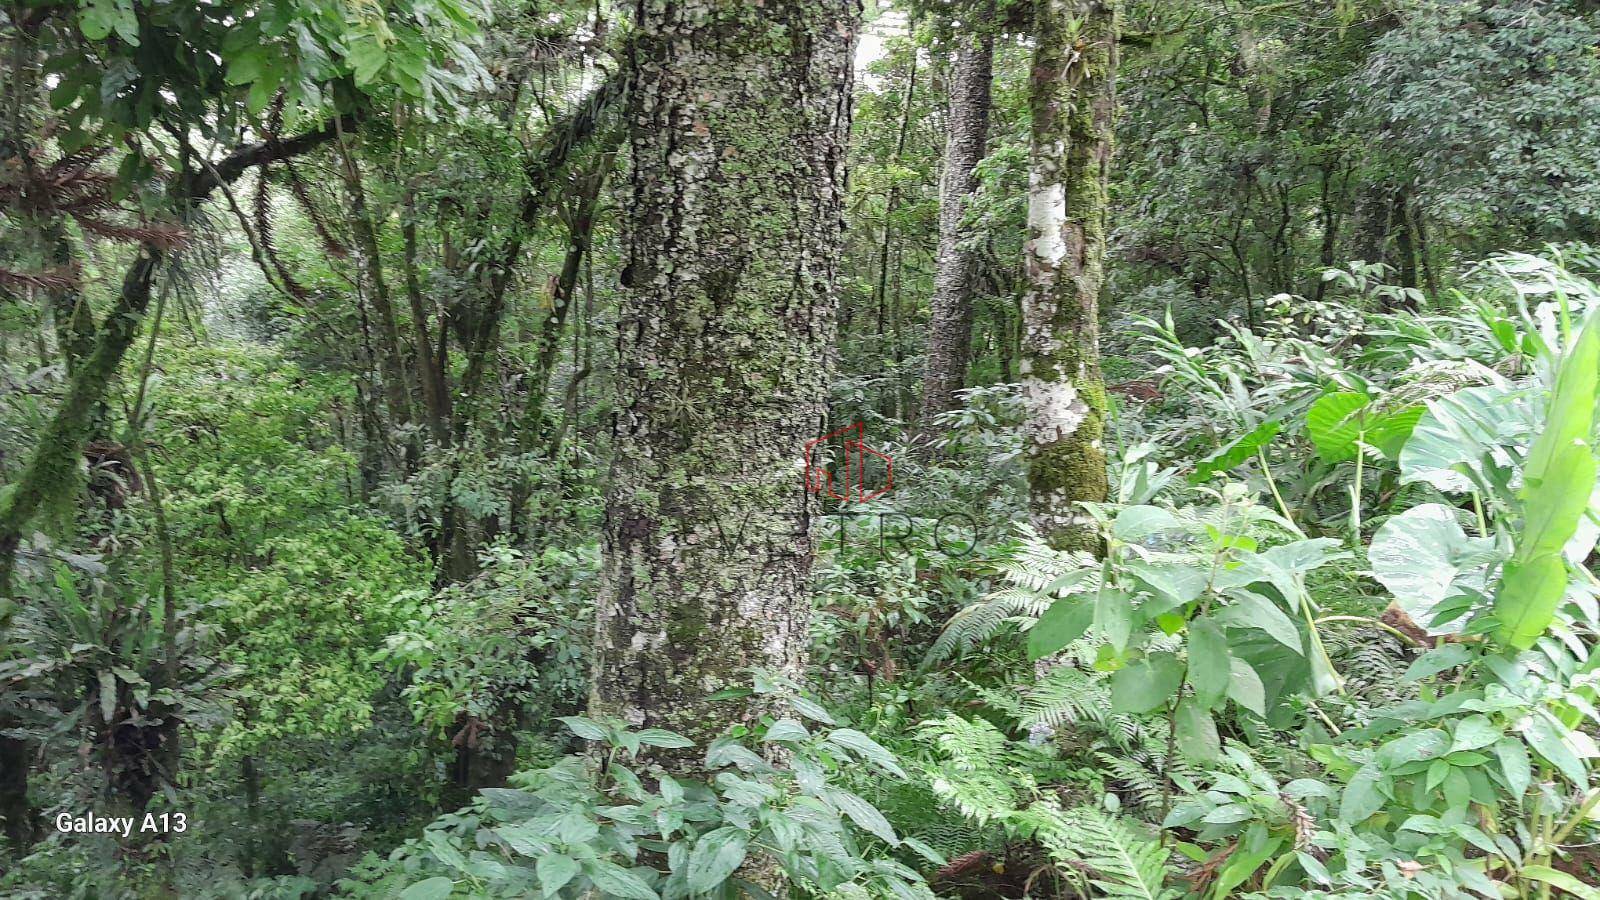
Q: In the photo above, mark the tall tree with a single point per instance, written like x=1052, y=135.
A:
x=950, y=331
x=1073, y=102
x=739, y=122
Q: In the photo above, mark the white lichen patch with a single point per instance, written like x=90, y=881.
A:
x=1054, y=410
x=1047, y=219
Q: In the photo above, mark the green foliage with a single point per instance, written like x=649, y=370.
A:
x=1475, y=779
x=1236, y=452
x=1558, y=478
x=251, y=478
x=512, y=638
x=1120, y=861
x=1217, y=705
x=1433, y=569
x=131, y=63
x=591, y=824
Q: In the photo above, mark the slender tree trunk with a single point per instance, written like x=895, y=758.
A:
x=431, y=378
x=950, y=330
x=391, y=355
x=1328, y=218
x=538, y=429
x=435, y=390
x=68, y=307
x=1372, y=224
x=52, y=470
x=888, y=324
x=1405, y=250
x=580, y=225
x=252, y=814
x=582, y=361
x=1073, y=99
x=1430, y=274
x=740, y=118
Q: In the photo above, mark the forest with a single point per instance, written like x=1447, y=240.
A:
x=1139, y=449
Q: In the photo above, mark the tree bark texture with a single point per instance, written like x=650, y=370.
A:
x=69, y=308
x=739, y=122
x=1073, y=101
x=950, y=328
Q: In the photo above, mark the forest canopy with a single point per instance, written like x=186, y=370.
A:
x=976, y=448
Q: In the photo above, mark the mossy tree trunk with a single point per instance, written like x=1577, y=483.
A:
x=739, y=123
x=1073, y=102
x=70, y=311
x=950, y=329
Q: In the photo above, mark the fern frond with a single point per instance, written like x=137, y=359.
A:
x=1005, y=701
x=1064, y=696
x=1121, y=861
x=981, y=796
x=972, y=774
x=979, y=621
x=967, y=745
x=1134, y=781
x=1036, y=575
x=1038, y=567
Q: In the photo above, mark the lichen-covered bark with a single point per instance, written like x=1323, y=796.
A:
x=950, y=327
x=738, y=126
x=1073, y=101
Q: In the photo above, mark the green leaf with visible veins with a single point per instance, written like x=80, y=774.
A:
x=1235, y=453
x=1147, y=684
x=1558, y=479
x=1209, y=669
x=1334, y=425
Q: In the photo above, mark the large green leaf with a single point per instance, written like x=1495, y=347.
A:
x=1147, y=684
x=1245, y=687
x=617, y=881
x=1334, y=424
x=866, y=748
x=1235, y=453
x=1244, y=862
x=864, y=814
x=1209, y=668
x=1196, y=732
x=1465, y=437
x=1363, y=796
x=554, y=871
x=1064, y=622
x=1251, y=610
x=1558, y=479
x=717, y=855
x=1557, y=744
x=436, y=888
x=1389, y=431
x=1423, y=556
x=1557, y=878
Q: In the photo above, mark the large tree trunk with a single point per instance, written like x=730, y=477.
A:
x=950, y=331
x=1073, y=99
x=739, y=125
